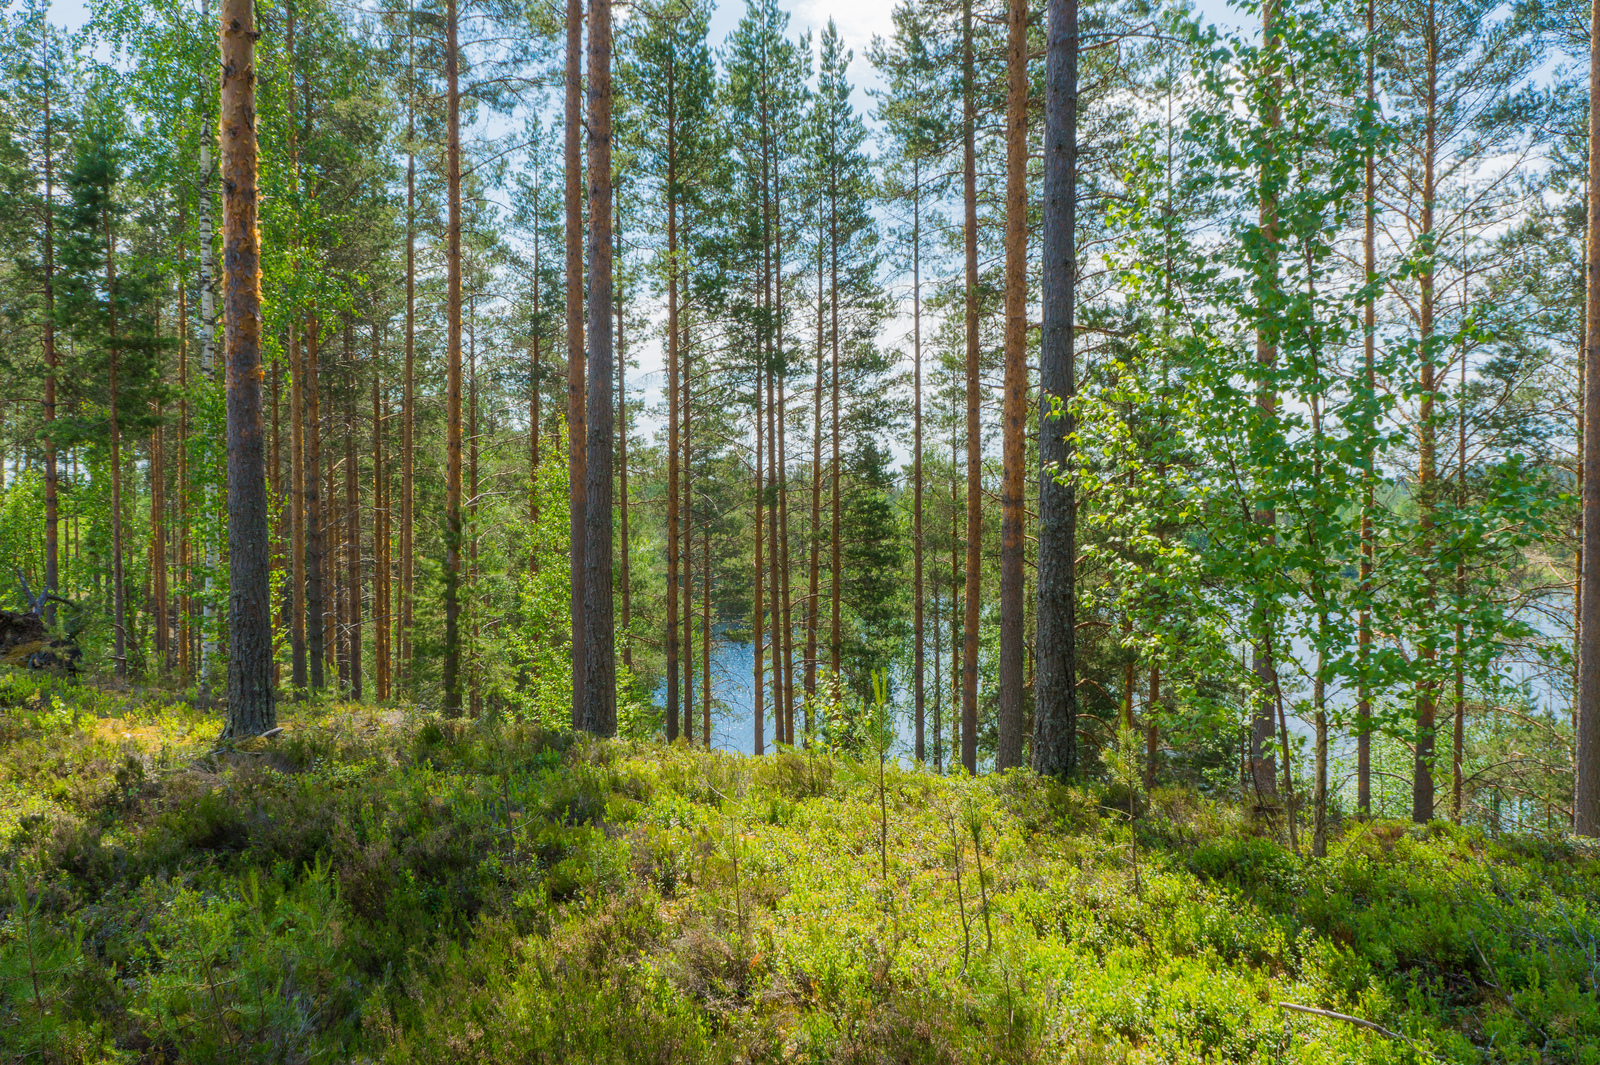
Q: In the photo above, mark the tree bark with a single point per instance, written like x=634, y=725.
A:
x=1319, y=802
x=119, y=611
x=674, y=563
x=452, y=415
x=759, y=577
x=969, y=176
x=1263, y=765
x=784, y=567
x=278, y=511
x=408, y=398
x=182, y=600
x=814, y=587
x=158, y=542
x=774, y=599
x=1586, y=801
x=684, y=352
x=1458, y=740
x=705, y=640
x=535, y=390
x=472, y=655
x=577, y=447
x=352, y=532
x=250, y=694
x=623, y=577
x=1055, y=714
x=316, y=610
x=1422, y=791
x=208, y=334
x=297, y=513
x=599, y=655
x=380, y=534
x=769, y=497
x=918, y=667
x=835, y=620
x=333, y=573
x=1008, y=751
x=957, y=621
x=52, y=486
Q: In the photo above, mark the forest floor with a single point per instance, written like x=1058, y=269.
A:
x=387, y=886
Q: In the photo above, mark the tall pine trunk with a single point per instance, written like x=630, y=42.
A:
x=352, y=533
x=599, y=655
x=1055, y=714
x=333, y=572
x=675, y=565
x=969, y=178
x=1263, y=766
x=1586, y=757
x=957, y=621
x=119, y=606
x=183, y=602
x=208, y=361
x=759, y=577
x=814, y=587
x=835, y=619
x=250, y=695
x=705, y=640
x=1459, y=738
x=316, y=609
x=917, y=665
x=1422, y=791
x=408, y=397
x=1014, y=413
x=535, y=390
x=452, y=412
x=158, y=541
x=277, y=504
x=622, y=453
x=577, y=447
x=784, y=567
x=297, y=512
x=473, y=656
x=783, y=712
x=52, y=487
x=684, y=352
x=380, y=533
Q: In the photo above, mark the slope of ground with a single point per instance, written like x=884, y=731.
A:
x=388, y=887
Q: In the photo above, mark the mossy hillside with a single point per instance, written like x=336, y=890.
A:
x=381, y=886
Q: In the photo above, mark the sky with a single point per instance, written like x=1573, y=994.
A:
x=858, y=20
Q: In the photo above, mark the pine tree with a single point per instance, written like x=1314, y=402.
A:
x=852, y=301
x=599, y=655
x=669, y=82
x=1014, y=416
x=1055, y=722
x=577, y=446
x=250, y=690
x=915, y=113
x=764, y=94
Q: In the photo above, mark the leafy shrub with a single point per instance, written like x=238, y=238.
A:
x=431, y=890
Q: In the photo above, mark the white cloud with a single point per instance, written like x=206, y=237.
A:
x=858, y=21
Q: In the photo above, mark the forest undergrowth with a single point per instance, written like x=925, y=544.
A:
x=389, y=886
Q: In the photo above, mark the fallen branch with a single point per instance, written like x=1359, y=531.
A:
x=1332, y=1016
x=1358, y=1022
